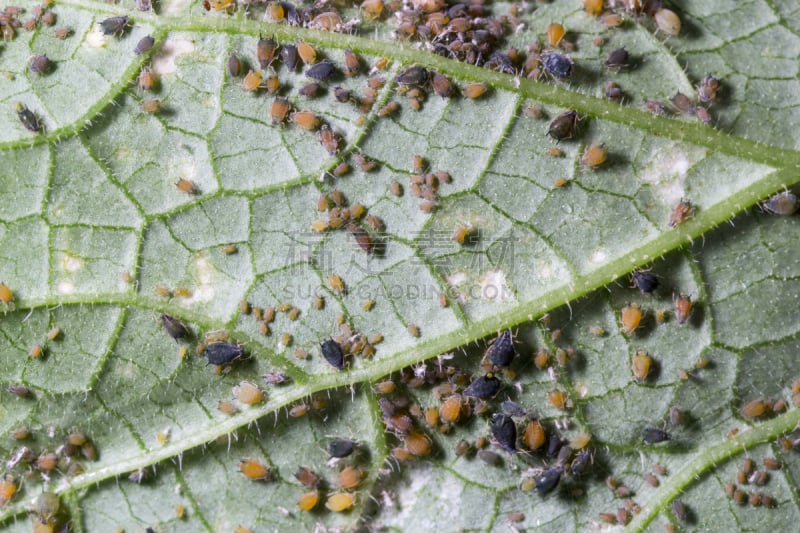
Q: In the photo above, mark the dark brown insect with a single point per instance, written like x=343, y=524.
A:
x=174, y=327
x=414, y=75
x=265, y=51
x=114, y=26
x=363, y=239
x=351, y=63
x=619, y=58
x=144, y=45
x=289, y=56
x=28, y=118
x=322, y=71
x=233, y=65
x=563, y=126
x=442, y=85
x=680, y=213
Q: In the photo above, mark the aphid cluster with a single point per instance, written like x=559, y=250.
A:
x=11, y=20
x=363, y=230
x=425, y=184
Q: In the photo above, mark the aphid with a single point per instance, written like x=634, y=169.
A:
x=279, y=110
x=336, y=284
x=366, y=165
x=703, y=115
x=641, y=366
x=631, y=317
x=784, y=203
x=483, y=387
x=558, y=399
x=349, y=478
x=555, y=32
x=474, y=90
x=332, y=352
x=645, y=281
x=308, y=501
x=222, y=353
x=341, y=94
x=557, y=65
x=322, y=71
x=340, y=501
x=18, y=390
x=578, y=466
x=594, y=156
x=756, y=408
x=187, y=186
x=36, y=351
x=767, y=500
x=412, y=76
x=417, y=444
x=675, y=415
x=613, y=91
x=151, y=105
x=563, y=126
x=233, y=65
x=413, y=329
x=174, y=327
x=548, y=480
x=254, y=469
x=47, y=462
x=593, y=7
x=266, y=48
x=114, y=25
x=442, y=85
x=489, y=457
x=679, y=509
x=272, y=83
x=144, y=45
x=683, y=103
x=146, y=79
x=63, y=32
x=396, y=188
x=504, y=431
x=289, y=56
x=28, y=118
x=652, y=435
x=305, y=119
x=8, y=487
x=501, y=352
x=651, y=480
x=340, y=448
x=329, y=140
x=307, y=53
x=351, y=63
x=618, y=58
x=299, y=410
x=668, y=21
x=512, y=408
x=39, y=64
x=683, y=307
x=388, y=109
x=252, y=81
x=708, y=89
x=450, y=410
x=248, y=393
x=54, y=333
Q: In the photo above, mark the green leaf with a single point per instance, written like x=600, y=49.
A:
x=94, y=230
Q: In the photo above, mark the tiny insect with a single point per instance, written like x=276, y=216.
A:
x=146, y=79
x=613, y=91
x=54, y=333
x=679, y=509
x=187, y=186
x=442, y=85
x=388, y=109
x=222, y=353
x=413, y=329
x=475, y=90
x=557, y=65
x=563, y=126
x=756, y=408
x=329, y=140
x=114, y=25
x=555, y=33
x=594, y=156
x=332, y=352
x=593, y=7
x=144, y=45
x=683, y=307
x=306, y=120
x=483, y=387
x=631, y=317
x=784, y=203
x=655, y=107
x=340, y=501
x=307, y=53
x=289, y=56
x=708, y=89
x=412, y=76
x=248, y=393
x=578, y=466
x=641, y=366
x=279, y=110
x=501, y=352
x=174, y=327
x=675, y=415
x=340, y=448
x=28, y=118
x=254, y=469
x=266, y=48
x=504, y=431
x=151, y=105
x=548, y=480
x=653, y=435
x=308, y=501
x=619, y=58
x=644, y=280
x=63, y=32
x=683, y=103
x=39, y=64
x=322, y=71
x=233, y=65
x=668, y=21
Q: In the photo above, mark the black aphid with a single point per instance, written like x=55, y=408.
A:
x=222, y=353
x=415, y=75
x=332, y=352
x=619, y=58
x=174, y=327
x=489, y=457
x=512, y=408
x=554, y=444
x=234, y=65
x=501, y=352
x=144, y=45
x=563, y=126
x=645, y=281
x=113, y=25
x=504, y=431
x=651, y=435
x=339, y=448
x=289, y=56
x=483, y=387
x=557, y=65
x=548, y=480
x=324, y=70
x=578, y=466
x=28, y=119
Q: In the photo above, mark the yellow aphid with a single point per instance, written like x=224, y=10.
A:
x=299, y=410
x=541, y=358
x=253, y=469
x=336, y=284
x=276, y=11
x=187, y=186
x=339, y=502
x=229, y=249
x=151, y=105
x=385, y=387
x=252, y=81
x=641, y=365
x=555, y=152
x=579, y=441
x=286, y=340
x=418, y=443
x=248, y=393
x=555, y=32
x=180, y=511
x=450, y=411
x=183, y=292
x=54, y=333
x=319, y=226
x=36, y=351
x=318, y=303
x=594, y=156
x=593, y=7
x=349, y=478
x=432, y=416
x=631, y=317
x=668, y=22
x=8, y=487
x=756, y=408
x=534, y=435
x=368, y=305
x=372, y=9
x=182, y=351
x=293, y=314
x=475, y=90
x=308, y=501
x=558, y=399
x=162, y=437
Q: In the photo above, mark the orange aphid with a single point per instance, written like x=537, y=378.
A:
x=349, y=478
x=450, y=411
x=308, y=501
x=187, y=186
x=252, y=81
x=594, y=156
x=558, y=399
x=253, y=469
x=593, y=7
x=631, y=317
x=534, y=436
x=555, y=32
x=341, y=501
x=248, y=393
x=756, y=408
x=418, y=443
x=6, y=296
x=8, y=487
x=641, y=366
x=683, y=307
